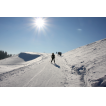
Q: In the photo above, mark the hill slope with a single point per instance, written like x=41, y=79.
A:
x=89, y=62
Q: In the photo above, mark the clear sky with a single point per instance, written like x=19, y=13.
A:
x=58, y=34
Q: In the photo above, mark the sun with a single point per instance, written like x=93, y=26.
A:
x=39, y=22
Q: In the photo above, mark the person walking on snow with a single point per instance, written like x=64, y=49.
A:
x=53, y=57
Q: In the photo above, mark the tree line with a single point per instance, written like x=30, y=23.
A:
x=4, y=54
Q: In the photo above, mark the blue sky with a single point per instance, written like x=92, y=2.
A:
x=19, y=34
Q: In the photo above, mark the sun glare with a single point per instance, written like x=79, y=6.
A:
x=39, y=22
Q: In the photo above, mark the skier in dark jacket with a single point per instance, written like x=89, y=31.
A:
x=53, y=57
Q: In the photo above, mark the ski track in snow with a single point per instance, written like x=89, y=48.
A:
x=34, y=76
x=47, y=75
x=47, y=80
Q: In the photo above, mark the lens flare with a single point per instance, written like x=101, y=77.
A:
x=39, y=22
x=40, y=25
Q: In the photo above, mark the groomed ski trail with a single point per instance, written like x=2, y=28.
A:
x=50, y=75
x=44, y=74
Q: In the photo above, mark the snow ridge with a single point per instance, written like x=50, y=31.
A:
x=89, y=62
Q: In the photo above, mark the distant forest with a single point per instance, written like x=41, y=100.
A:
x=4, y=55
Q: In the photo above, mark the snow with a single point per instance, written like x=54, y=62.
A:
x=81, y=67
x=89, y=63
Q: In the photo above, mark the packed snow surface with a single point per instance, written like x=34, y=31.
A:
x=81, y=67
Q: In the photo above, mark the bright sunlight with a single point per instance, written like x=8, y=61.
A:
x=39, y=22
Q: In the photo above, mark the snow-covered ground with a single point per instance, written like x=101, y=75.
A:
x=88, y=62
x=81, y=67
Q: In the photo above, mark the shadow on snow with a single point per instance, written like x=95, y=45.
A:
x=28, y=57
x=56, y=65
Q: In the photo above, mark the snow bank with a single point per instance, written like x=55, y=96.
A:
x=89, y=62
x=20, y=60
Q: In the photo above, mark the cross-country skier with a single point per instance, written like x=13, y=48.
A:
x=53, y=57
